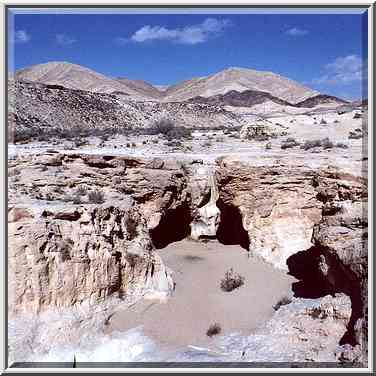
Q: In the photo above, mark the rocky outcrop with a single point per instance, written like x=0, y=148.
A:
x=309, y=328
x=338, y=259
x=85, y=227
x=89, y=253
x=206, y=218
x=64, y=248
x=261, y=130
x=278, y=207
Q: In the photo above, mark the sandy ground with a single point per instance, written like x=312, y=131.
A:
x=213, y=144
x=198, y=301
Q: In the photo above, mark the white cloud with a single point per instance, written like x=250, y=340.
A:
x=296, y=32
x=64, y=40
x=343, y=70
x=192, y=34
x=21, y=36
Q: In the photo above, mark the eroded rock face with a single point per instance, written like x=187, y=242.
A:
x=309, y=328
x=207, y=216
x=65, y=248
x=63, y=258
x=341, y=239
x=62, y=252
x=278, y=206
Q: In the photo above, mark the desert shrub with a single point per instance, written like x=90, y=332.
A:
x=162, y=126
x=268, y=146
x=342, y=145
x=289, y=143
x=336, y=121
x=77, y=199
x=323, y=121
x=309, y=144
x=80, y=142
x=23, y=135
x=175, y=144
x=14, y=172
x=357, y=115
x=207, y=144
x=144, y=142
x=128, y=145
x=168, y=128
x=178, y=133
x=96, y=197
x=213, y=330
x=283, y=301
x=231, y=281
x=133, y=145
x=219, y=139
x=356, y=134
x=81, y=191
x=327, y=144
x=155, y=141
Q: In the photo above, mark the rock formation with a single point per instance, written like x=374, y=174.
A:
x=85, y=227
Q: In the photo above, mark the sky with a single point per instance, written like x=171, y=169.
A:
x=327, y=52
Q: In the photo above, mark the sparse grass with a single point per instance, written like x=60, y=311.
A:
x=231, y=281
x=327, y=144
x=163, y=126
x=175, y=144
x=96, y=197
x=324, y=143
x=342, y=145
x=77, y=199
x=213, y=330
x=309, y=144
x=81, y=191
x=207, y=144
x=289, y=143
x=356, y=134
x=14, y=172
x=168, y=128
x=283, y=301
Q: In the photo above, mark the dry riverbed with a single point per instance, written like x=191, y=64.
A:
x=198, y=300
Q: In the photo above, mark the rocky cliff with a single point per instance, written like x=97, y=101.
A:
x=85, y=227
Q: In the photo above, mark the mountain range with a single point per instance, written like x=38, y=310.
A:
x=232, y=86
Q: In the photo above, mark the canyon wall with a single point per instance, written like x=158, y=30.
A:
x=85, y=227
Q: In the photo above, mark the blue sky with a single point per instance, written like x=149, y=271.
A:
x=324, y=51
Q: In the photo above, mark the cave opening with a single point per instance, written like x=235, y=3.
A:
x=230, y=229
x=173, y=226
x=305, y=266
